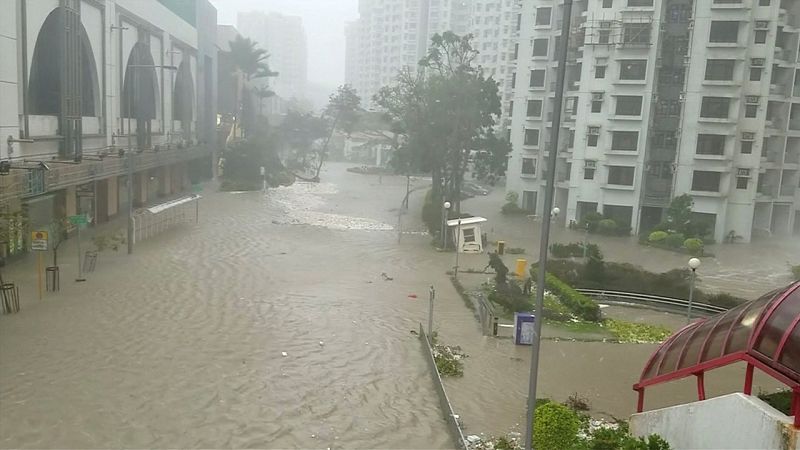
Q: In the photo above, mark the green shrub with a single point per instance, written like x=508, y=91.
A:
x=555, y=310
x=512, y=204
x=657, y=236
x=591, y=220
x=619, y=439
x=694, y=246
x=575, y=249
x=781, y=400
x=723, y=300
x=637, y=333
x=555, y=427
x=607, y=226
x=796, y=272
x=580, y=305
x=674, y=240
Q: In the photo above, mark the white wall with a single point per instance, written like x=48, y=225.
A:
x=732, y=421
x=9, y=104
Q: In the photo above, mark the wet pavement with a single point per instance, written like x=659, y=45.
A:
x=180, y=345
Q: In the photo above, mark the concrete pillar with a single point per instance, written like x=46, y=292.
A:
x=70, y=201
x=113, y=196
x=140, y=188
x=165, y=180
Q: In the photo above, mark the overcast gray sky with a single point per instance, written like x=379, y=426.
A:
x=324, y=22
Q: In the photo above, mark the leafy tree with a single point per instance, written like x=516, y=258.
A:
x=492, y=164
x=342, y=111
x=679, y=213
x=300, y=133
x=248, y=62
x=441, y=113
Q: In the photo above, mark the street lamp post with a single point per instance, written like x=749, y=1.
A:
x=544, y=243
x=444, y=224
x=458, y=247
x=694, y=263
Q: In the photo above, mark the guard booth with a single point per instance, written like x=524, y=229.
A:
x=466, y=233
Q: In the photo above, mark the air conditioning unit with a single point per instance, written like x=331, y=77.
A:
x=597, y=96
x=742, y=172
x=590, y=164
x=757, y=62
x=752, y=99
x=748, y=136
x=594, y=131
x=762, y=24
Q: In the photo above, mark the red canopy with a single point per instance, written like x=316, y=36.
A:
x=765, y=333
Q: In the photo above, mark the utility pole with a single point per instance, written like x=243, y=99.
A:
x=548, y=206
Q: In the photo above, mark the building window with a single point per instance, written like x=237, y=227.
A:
x=720, y=69
x=636, y=33
x=543, y=16
x=588, y=170
x=715, y=107
x=531, y=137
x=516, y=51
x=593, y=136
x=704, y=181
x=514, y=80
x=534, y=108
x=626, y=141
x=724, y=31
x=761, y=36
x=604, y=37
x=629, y=105
x=755, y=74
x=747, y=147
x=763, y=2
x=597, y=106
x=640, y=2
x=528, y=166
x=571, y=143
x=600, y=71
x=710, y=144
x=608, y=3
x=633, y=69
x=750, y=111
x=540, y=47
x=620, y=175
x=537, y=78
x=742, y=182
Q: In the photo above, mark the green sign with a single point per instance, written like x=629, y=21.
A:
x=80, y=219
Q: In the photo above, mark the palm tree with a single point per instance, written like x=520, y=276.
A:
x=249, y=62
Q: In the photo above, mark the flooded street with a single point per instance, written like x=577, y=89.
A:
x=180, y=345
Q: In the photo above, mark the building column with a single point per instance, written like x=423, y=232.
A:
x=165, y=181
x=112, y=184
x=70, y=201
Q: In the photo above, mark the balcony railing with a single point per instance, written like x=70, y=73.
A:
x=22, y=184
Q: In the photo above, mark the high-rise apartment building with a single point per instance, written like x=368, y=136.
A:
x=664, y=98
x=393, y=34
x=284, y=38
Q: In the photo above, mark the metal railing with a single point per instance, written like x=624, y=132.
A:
x=16, y=185
x=452, y=418
x=157, y=219
x=652, y=300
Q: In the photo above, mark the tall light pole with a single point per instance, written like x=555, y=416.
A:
x=694, y=263
x=445, y=209
x=544, y=241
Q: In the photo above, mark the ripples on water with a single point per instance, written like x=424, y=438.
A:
x=180, y=345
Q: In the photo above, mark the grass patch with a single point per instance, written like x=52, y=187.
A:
x=449, y=360
x=636, y=333
x=579, y=326
x=781, y=400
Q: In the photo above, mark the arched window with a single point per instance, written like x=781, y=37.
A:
x=183, y=95
x=140, y=88
x=44, y=86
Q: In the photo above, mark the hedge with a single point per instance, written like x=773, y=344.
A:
x=657, y=236
x=555, y=427
x=575, y=249
x=675, y=240
x=580, y=305
x=694, y=246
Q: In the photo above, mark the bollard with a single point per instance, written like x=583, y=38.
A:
x=494, y=327
x=501, y=247
x=522, y=265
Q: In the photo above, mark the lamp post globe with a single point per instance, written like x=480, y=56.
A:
x=694, y=263
x=446, y=205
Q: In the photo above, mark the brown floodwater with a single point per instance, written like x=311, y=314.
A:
x=181, y=344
